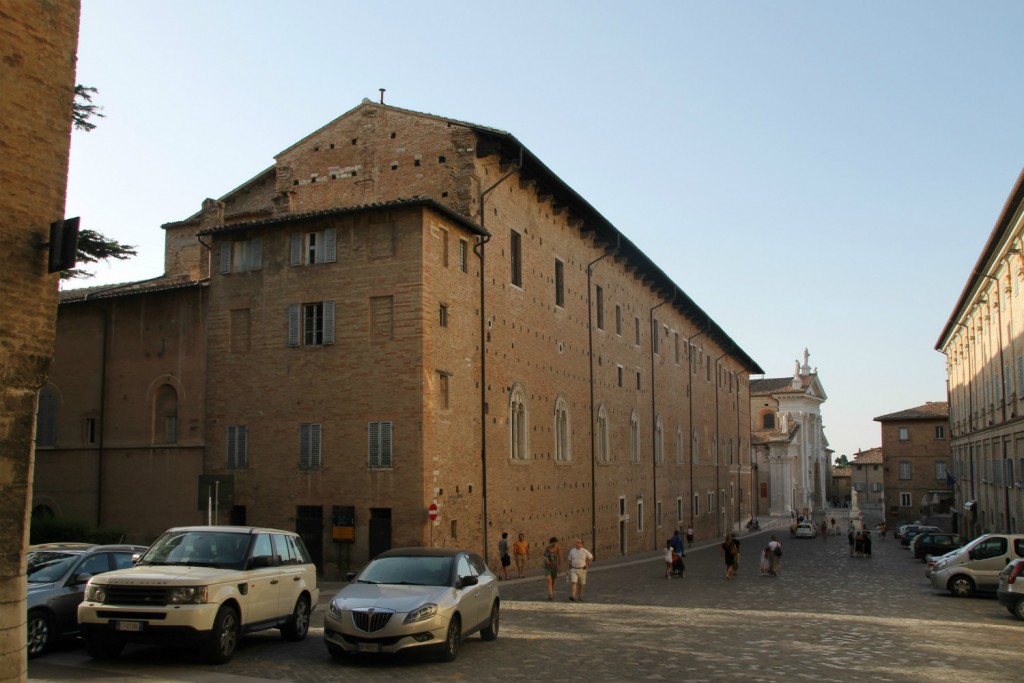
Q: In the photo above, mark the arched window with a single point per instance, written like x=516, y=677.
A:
x=518, y=424
x=601, y=436
x=634, y=437
x=768, y=421
x=659, y=442
x=46, y=418
x=563, y=452
x=165, y=415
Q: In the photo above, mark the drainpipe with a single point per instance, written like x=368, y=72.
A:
x=718, y=453
x=593, y=451
x=739, y=455
x=691, y=370
x=654, y=421
x=478, y=249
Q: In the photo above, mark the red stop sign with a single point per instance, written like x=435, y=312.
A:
x=432, y=511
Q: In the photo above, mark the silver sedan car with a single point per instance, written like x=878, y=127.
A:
x=407, y=598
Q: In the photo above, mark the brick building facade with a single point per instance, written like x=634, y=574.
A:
x=408, y=310
x=917, y=462
x=38, y=46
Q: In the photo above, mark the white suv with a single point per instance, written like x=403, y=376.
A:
x=208, y=584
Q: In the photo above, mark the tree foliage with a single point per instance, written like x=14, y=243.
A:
x=84, y=109
x=843, y=461
x=94, y=247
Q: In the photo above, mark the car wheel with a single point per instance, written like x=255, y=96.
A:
x=490, y=632
x=40, y=631
x=298, y=623
x=223, y=638
x=961, y=586
x=450, y=650
x=103, y=647
x=1018, y=609
x=338, y=653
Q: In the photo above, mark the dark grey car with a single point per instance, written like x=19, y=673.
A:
x=57, y=574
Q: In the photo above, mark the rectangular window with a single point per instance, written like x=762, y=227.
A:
x=559, y=284
x=464, y=256
x=636, y=329
x=380, y=445
x=443, y=389
x=693, y=359
x=619, y=369
x=618, y=320
x=638, y=379
x=940, y=470
x=905, y=500
x=599, y=306
x=679, y=508
x=678, y=350
x=309, y=446
x=696, y=504
x=940, y=432
x=904, y=469
x=311, y=324
x=442, y=315
x=654, y=336
x=313, y=247
x=904, y=434
x=858, y=486
x=657, y=507
x=639, y=515
x=711, y=501
x=241, y=256
x=237, y=446
x=444, y=248
x=91, y=430
x=516, y=259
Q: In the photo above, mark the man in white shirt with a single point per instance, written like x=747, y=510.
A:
x=580, y=560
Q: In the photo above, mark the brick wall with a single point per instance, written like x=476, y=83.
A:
x=38, y=42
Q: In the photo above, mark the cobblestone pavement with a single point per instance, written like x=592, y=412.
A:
x=827, y=617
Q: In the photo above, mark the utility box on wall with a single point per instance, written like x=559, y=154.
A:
x=343, y=522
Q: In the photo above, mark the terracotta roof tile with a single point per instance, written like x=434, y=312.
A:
x=933, y=410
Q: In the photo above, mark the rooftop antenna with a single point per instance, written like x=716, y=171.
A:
x=382, y=95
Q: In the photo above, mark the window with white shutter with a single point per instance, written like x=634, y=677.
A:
x=241, y=256
x=313, y=247
x=237, y=446
x=309, y=446
x=379, y=445
x=311, y=324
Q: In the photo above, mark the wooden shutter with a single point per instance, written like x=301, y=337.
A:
x=46, y=419
x=255, y=254
x=328, y=322
x=293, y=324
x=225, y=258
x=379, y=444
x=295, y=248
x=330, y=245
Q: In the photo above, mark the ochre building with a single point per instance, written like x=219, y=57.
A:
x=405, y=317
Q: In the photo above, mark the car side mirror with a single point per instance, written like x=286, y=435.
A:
x=82, y=578
x=467, y=581
x=350, y=577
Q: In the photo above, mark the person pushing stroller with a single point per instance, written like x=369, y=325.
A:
x=678, y=553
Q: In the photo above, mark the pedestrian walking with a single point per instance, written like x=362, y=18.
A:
x=824, y=531
x=552, y=565
x=776, y=556
x=503, y=553
x=766, y=562
x=728, y=556
x=580, y=560
x=849, y=537
x=668, y=559
x=521, y=549
x=689, y=536
x=867, y=543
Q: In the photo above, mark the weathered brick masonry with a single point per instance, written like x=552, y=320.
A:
x=394, y=198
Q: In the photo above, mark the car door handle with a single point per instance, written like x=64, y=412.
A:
x=296, y=578
x=273, y=582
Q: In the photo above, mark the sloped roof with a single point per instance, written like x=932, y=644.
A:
x=933, y=410
x=872, y=456
x=155, y=284
x=770, y=436
x=841, y=472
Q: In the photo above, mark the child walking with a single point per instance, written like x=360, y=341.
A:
x=766, y=561
x=668, y=560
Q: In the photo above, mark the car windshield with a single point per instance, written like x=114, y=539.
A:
x=221, y=549
x=414, y=571
x=46, y=566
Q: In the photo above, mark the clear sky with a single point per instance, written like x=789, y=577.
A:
x=813, y=174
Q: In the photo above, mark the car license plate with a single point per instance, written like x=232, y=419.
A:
x=369, y=647
x=128, y=626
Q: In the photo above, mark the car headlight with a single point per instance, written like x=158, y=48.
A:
x=334, y=610
x=187, y=595
x=420, y=613
x=95, y=593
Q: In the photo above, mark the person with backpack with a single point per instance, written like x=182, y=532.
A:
x=775, y=556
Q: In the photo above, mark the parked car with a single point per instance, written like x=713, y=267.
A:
x=1011, y=588
x=57, y=574
x=430, y=598
x=914, y=530
x=976, y=566
x=207, y=584
x=805, y=530
x=935, y=543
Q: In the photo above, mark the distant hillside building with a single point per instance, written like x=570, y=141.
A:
x=983, y=341
x=790, y=449
x=404, y=311
x=918, y=474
